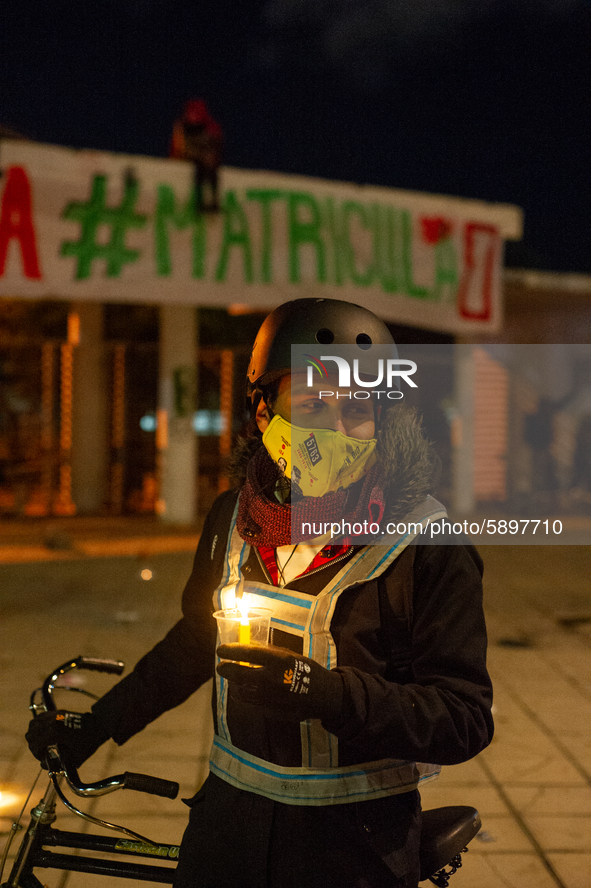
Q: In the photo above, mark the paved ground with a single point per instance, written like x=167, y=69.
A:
x=84, y=594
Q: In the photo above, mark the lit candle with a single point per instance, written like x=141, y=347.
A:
x=244, y=627
x=244, y=631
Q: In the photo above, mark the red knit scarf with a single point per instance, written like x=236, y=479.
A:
x=262, y=521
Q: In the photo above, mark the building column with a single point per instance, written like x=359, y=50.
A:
x=176, y=438
x=90, y=432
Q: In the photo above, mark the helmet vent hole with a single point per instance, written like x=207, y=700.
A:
x=324, y=336
x=363, y=340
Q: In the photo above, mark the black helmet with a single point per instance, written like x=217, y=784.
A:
x=308, y=321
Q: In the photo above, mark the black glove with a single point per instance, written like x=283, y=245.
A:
x=76, y=734
x=295, y=686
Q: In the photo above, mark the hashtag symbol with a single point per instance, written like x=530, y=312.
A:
x=94, y=213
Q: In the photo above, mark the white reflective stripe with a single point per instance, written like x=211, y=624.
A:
x=233, y=559
x=290, y=608
x=236, y=552
x=312, y=786
x=320, y=749
x=221, y=691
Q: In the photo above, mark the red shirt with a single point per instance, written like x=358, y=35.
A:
x=323, y=557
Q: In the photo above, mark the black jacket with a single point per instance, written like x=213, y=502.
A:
x=416, y=683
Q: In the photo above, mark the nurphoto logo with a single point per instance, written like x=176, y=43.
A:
x=395, y=367
x=360, y=378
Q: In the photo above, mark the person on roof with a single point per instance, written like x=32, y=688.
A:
x=197, y=137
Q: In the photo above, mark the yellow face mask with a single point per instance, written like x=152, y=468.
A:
x=318, y=461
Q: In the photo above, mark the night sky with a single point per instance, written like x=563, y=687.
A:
x=479, y=98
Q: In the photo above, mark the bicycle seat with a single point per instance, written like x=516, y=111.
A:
x=446, y=832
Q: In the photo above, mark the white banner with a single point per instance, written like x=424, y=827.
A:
x=119, y=228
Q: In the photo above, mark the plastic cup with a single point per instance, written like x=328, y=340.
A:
x=232, y=628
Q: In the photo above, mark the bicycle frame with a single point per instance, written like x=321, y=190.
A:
x=41, y=835
x=446, y=831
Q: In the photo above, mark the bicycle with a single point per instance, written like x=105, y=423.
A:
x=446, y=831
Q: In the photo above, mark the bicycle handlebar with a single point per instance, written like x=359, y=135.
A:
x=129, y=780
x=97, y=664
x=115, y=667
x=168, y=789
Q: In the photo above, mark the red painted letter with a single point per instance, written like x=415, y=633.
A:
x=16, y=220
x=475, y=294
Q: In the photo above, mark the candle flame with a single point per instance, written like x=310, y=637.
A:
x=243, y=606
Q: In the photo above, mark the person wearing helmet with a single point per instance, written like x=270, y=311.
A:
x=375, y=674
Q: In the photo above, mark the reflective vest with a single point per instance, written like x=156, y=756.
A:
x=318, y=780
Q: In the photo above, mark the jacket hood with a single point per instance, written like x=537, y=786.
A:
x=409, y=463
